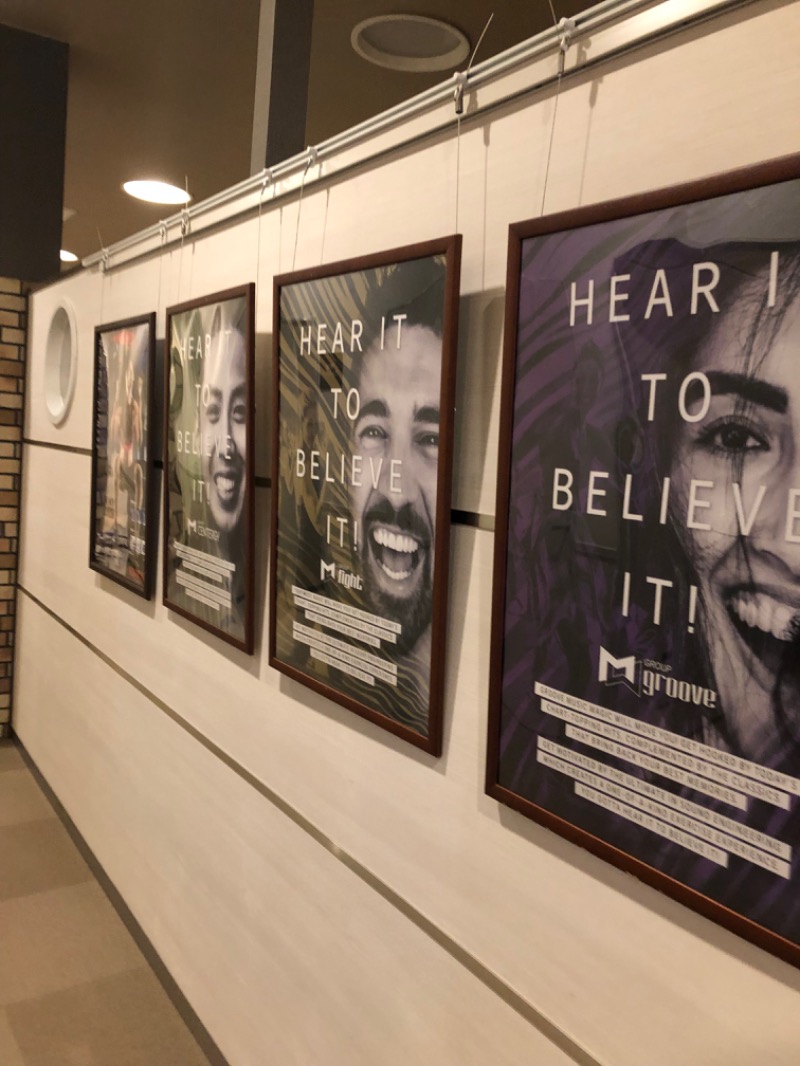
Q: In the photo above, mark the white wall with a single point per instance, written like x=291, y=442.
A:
x=324, y=894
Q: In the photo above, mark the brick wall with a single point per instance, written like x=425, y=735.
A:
x=13, y=328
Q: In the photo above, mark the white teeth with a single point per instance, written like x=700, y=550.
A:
x=225, y=484
x=395, y=575
x=397, y=542
x=760, y=611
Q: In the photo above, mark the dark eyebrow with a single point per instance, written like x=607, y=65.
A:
x=427, y=414
x=374, y=409
x=751, y=389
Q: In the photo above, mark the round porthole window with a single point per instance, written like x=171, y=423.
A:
x=60, y=362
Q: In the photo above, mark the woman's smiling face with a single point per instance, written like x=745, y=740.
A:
x=747, y=449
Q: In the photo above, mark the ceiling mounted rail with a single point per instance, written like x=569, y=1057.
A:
x=602, y=31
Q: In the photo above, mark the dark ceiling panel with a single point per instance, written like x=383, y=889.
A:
x=33, y=111
x=167, y=90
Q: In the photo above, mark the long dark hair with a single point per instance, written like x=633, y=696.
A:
x=670, y=344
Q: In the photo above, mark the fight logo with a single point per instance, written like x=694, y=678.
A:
x=338, y=573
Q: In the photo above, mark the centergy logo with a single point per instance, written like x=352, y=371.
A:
x=646, y=676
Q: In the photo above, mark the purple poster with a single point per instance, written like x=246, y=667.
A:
x=646, y=655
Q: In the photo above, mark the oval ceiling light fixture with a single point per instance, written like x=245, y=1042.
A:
x=410, y=42
x=67, y=257
x=156, y=192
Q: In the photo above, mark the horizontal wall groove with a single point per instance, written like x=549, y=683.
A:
x=439, y=936
x=72, y=449
x=471, y=519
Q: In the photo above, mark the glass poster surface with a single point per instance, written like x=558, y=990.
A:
x=362, y=452
x=121, y=544
x=208, y=463
x=645, y=683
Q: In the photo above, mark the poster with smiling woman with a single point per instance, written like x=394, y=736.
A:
x=362, y=453
x=208, y=463
x=645, y=682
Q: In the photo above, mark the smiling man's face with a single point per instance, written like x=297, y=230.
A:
x=223, y=426
x=395, y=506
x=750, y=584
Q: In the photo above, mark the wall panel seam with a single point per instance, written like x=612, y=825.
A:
x=473, y=519
x=460, y=954
x=72, y=449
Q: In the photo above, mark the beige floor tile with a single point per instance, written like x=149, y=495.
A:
x=10, y=758
x=21, y=799
x=10, y=1054
x=52, y=940
x=38, y=856
x=125, y=1020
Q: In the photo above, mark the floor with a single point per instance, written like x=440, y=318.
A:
x=75, y=989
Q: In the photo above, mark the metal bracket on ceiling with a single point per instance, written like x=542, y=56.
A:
x=185, y=223
x=313, y=156
x=162, y=231
x=267, y=180
x=566, y=28
x=106, y=259
x=460, y=79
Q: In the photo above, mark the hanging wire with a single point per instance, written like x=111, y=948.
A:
x=458, y=97
x=324, y=226
x=103, y=269
x=163, y=230
x=268, y=180
x=458, y=165
x=566, y=26
x=312, y=155
x=550, y=144
x=480, y=39
x=184, y=228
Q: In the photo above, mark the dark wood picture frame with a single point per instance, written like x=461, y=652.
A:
x=209, y=512
x=126, y=423
x=560, y=583
x=325, y=573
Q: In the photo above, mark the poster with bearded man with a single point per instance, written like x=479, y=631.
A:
x=362, y=453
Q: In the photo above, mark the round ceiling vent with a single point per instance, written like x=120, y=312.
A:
x=410, y=42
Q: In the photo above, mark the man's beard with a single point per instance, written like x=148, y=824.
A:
x=413, y=611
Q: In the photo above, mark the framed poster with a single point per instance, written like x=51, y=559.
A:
x=362, y=456
x=645, y=679
x=208, y=463
x=122, y=533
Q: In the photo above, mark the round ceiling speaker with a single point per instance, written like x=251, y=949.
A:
x=410, y=42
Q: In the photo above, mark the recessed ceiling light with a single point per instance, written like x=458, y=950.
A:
x=410, y=42
x=156, y=192
x=68, y=257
